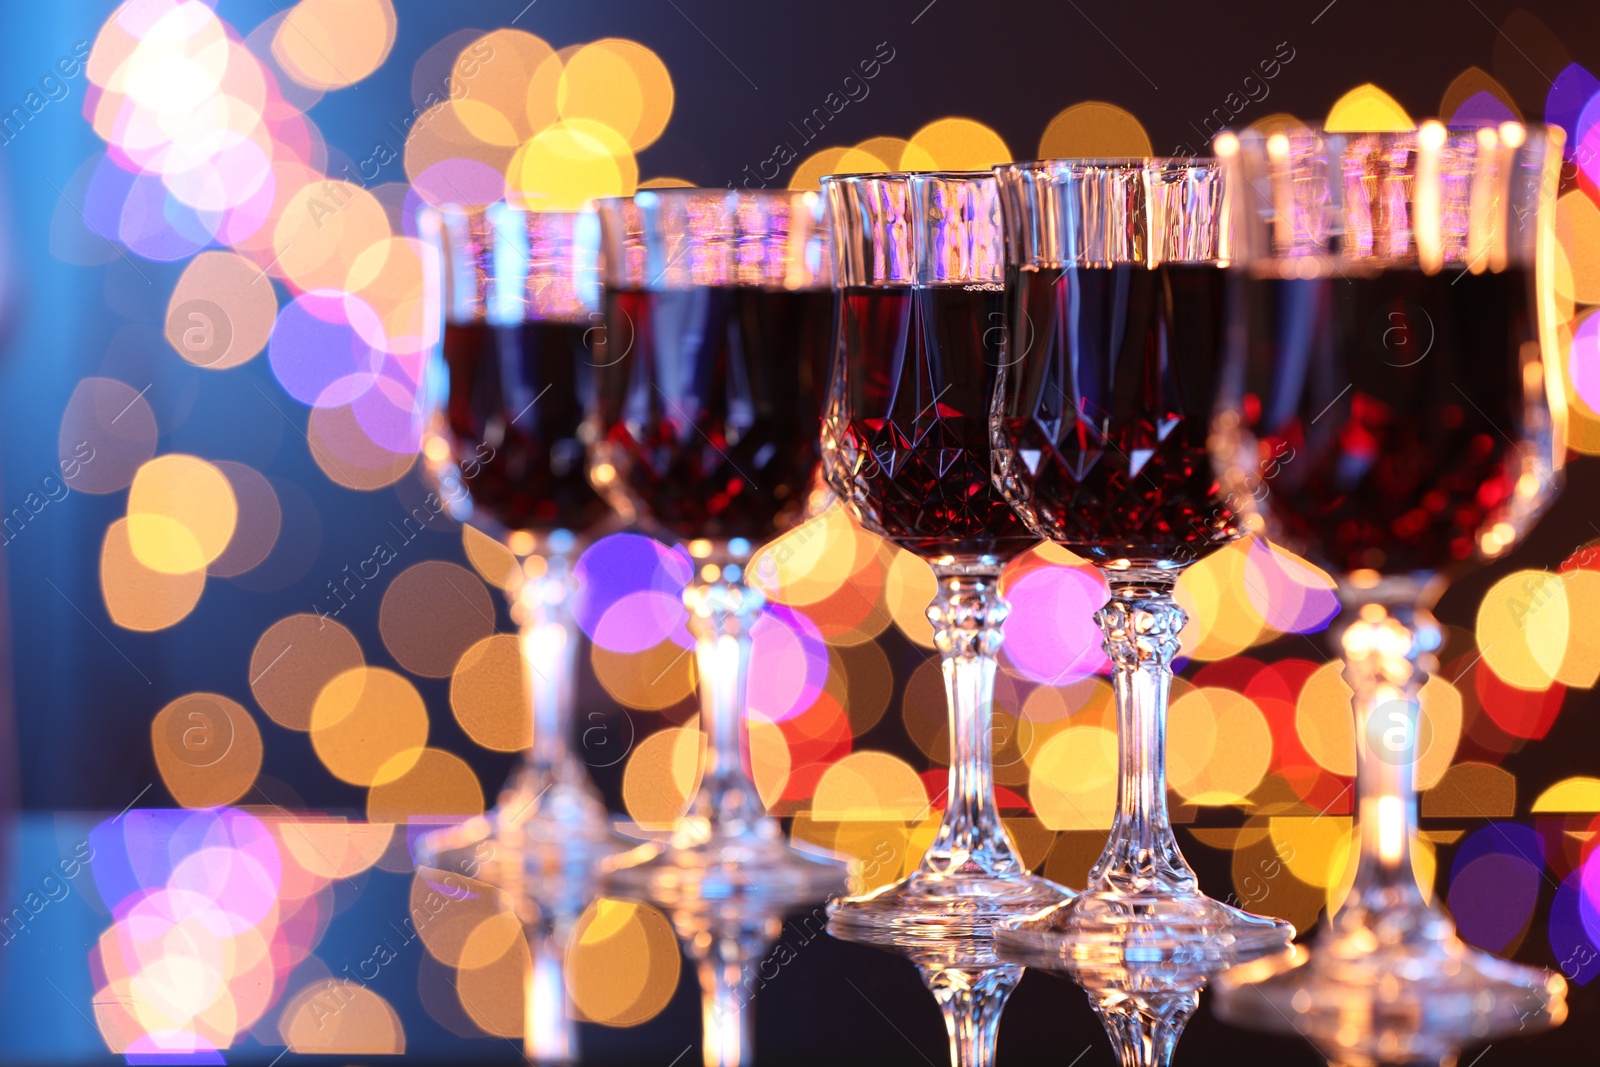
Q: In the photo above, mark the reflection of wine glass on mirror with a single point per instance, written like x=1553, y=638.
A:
x=1115, y=303
x=704, y=425
x=507, y=389
x=1395, y=311
x=1143, y=1006
x=968, y=981
x=918, y=270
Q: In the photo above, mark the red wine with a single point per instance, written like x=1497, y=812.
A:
x=1396, y=403
x=910, y=417
x=1101, y=421
x=517, y=395
x=708, y=405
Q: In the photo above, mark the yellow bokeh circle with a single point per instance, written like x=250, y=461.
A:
x=369, y=726
x=181, y=514
x=621, y=84
x=569, y=163
x=622, y=963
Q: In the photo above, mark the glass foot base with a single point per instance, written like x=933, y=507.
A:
x=937, y=906
x=759, y=870
x=1104, y=927
x=1361, y=1002
x=547, y=846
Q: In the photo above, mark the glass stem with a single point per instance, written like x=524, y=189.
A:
x=1141, y=624
x=549, y=636
x=967, y=614
x=1388, y=652
x=1144, y=1027
x=722, y=612
x=550, y=1034
x=971, y=1002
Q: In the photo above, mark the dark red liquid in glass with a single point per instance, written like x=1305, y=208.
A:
x=1396, y=403
x=1100, y=428
x=709, y=404
x=910, y=414
x=517, y=396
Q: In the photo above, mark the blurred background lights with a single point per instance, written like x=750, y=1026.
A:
x=218, y=317
x=292, y=662
x=1367, y=109
x=140, y=597
x=259, y=521
x=622, y=963
x=874, y=786
x=369, y=726
x=342, y=1020
x=955, y=144
x=1523, y=625
x=1093, y=130
x=107, y=433
x=431, y=614
x=489, y=694
x=328, y=44
x=1074, y=781
x=287, y=247
x=208, y=750
x=564, y=166
x=513, y=77
x=430, y=785
x=620, y=84
x=181, y=514
x=1051, y=636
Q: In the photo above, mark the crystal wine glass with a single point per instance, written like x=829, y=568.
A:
x=917, y=266
x=1397, y=336
x=704, y=425
x=1114, y=300
x=506, y=390
x=917, y=269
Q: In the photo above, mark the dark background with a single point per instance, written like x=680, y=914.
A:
x=83, y=691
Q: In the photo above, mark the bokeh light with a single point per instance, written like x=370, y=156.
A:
x=622, y=963
x=208, y=750
x=369, y=726
x=955, y=144
x=1094, y=130
x=328, y=44
x=1367, y=109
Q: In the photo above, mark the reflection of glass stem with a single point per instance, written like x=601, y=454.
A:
x=1141, y=624
x=966, y=616
x=1144, y=1027
x=721, y=952
x=722, y=612
x=550, y=799
x=1388, y=652
x=550, y=1035
x=971, y=1002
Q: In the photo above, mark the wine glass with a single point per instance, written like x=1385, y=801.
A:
x=1395, y=316
x=506, y=389
x=704, y=426
x=917, y=270
x=1114, y=300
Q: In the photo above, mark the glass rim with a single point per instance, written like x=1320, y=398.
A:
x=907, y=175
x=1321, y=131
x=685, y=192
x=1104, y=163
x=456, y=208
